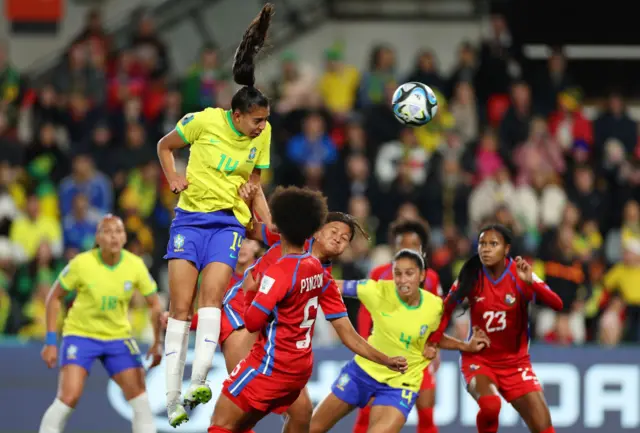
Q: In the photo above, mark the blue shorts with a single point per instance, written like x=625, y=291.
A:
x=115, y=355
x=204, y=238
x=355, y=387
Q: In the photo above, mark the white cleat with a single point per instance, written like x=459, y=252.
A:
x=177, y=415
x=197, y=394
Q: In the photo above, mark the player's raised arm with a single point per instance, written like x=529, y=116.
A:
x=261, y=299
x=185, y=133
x=539, y=288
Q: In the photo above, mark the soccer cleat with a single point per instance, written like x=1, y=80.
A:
x=177, y=415
x=197, y=394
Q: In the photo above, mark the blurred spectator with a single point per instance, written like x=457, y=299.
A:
x=465, y=112
x=204, y=82
x=9, y=90
x=465, y=69
x=85, y=179
x=150, y=51
x=568, y=124
x=426, y=71
x=82, y=73
x=339, y=83
x=615, y=123
x=402, y=153
x=32, y=228
x=583, y=193
x=93, y=34
x=492, y=192
x=44, y=160
x=514, y=128
x=539, y=154
x=623, y=279
x=488, y=159
x=296, y=84
x=551, y=82
x=381, y=73
x=79, y=226
x=314, y=147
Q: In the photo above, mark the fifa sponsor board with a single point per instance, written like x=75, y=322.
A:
x=588, y=389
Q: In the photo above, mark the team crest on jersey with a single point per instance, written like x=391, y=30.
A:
x=127, y=286
x=178, y=243
x=252, y=153
x=188, y=118
x=474, y=367
x=72, y=351
x=509, y=299
x=342, y=381
x=423, y=330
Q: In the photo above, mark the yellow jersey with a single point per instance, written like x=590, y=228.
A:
x=398, y=330
x=221, y=159
x=101, y=307
x=626, y=281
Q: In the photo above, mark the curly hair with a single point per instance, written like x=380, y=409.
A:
x=298, y=213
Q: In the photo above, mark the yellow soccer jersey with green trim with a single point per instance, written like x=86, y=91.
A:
x=221, y=159
x=398, y=330
x=101, y=307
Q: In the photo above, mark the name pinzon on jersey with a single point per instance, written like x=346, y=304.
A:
x=311, y=283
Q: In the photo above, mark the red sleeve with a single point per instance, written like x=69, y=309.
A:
x=540, y=290
x=269, y=237
x=194, y=322
x=259, y=304
x=433, y=282
x=449, y=305
x=331, y=300
x=364, y=322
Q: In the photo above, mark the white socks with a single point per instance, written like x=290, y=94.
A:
x=143, y=421
x=175, y=354
x=55, y=418
x=207, y=335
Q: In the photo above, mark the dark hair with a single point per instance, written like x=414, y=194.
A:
x=349, y=220
x=244, y=62
x=472, y=268
x=402, y=227
x=410, y=254
x=298, y=213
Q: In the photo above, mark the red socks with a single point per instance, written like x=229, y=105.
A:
x=425, y=421
x=362, y=421
x=487, y=419
x=550, y=430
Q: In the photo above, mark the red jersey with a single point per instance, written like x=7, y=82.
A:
x=385, y=272
x=501, y=309
x=284, y=309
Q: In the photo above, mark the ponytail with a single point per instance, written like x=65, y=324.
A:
x=468, y=278
x=251, y=44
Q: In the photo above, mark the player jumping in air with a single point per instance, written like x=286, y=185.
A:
x=404, y=316
x=227, y=149
x=97, y=326
x=284, y=310
x=412, y=235
x=499, y=290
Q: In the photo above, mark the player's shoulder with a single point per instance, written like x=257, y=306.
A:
x=429, y=299
x=84, y=259
x=133, y=261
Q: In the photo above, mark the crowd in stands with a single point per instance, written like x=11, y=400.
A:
x=511, y=143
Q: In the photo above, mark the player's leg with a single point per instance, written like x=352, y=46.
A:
x=183, y=279
x=298, y=417
x=229, y=417
x=482, y=386
x=330, y=410
x=386, y=419
x=219, y=260
x=426, y=402
x=533, y=409
x=362, y=420
x=70, y=386
x=236, y=346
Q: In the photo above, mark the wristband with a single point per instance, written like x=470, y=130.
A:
x=350, y=288
x=51, y=339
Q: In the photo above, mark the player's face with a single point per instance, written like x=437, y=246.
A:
x=407, y=276
x=409, y=241
x=492, y=248
x=253, y=122
x=333, y=237
x=248, y=251
x=111, y=235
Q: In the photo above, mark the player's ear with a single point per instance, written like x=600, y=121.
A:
x=507, y=249
x=423, y=275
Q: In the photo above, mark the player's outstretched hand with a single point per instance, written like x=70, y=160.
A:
x=430, y=351
x=524, y=269
x=50, y=355
x=155, y=354
x=479, y=340
x=178, y=184
x=398, y=363
x=247, y=191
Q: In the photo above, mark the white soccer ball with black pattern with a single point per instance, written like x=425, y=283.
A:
x=414, y=104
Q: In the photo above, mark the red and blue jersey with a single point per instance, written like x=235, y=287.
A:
x=284, y=310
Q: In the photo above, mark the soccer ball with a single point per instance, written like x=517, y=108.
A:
x=414, y=104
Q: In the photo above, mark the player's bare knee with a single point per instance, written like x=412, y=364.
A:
x=70, y=397
x=180, y=310
x=426, y=399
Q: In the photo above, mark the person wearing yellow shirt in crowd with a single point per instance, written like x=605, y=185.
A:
x=404, y=316
x=227, y=149
x=339, y=84
x=32, y=228
x=624, y=279
x=97, y=326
